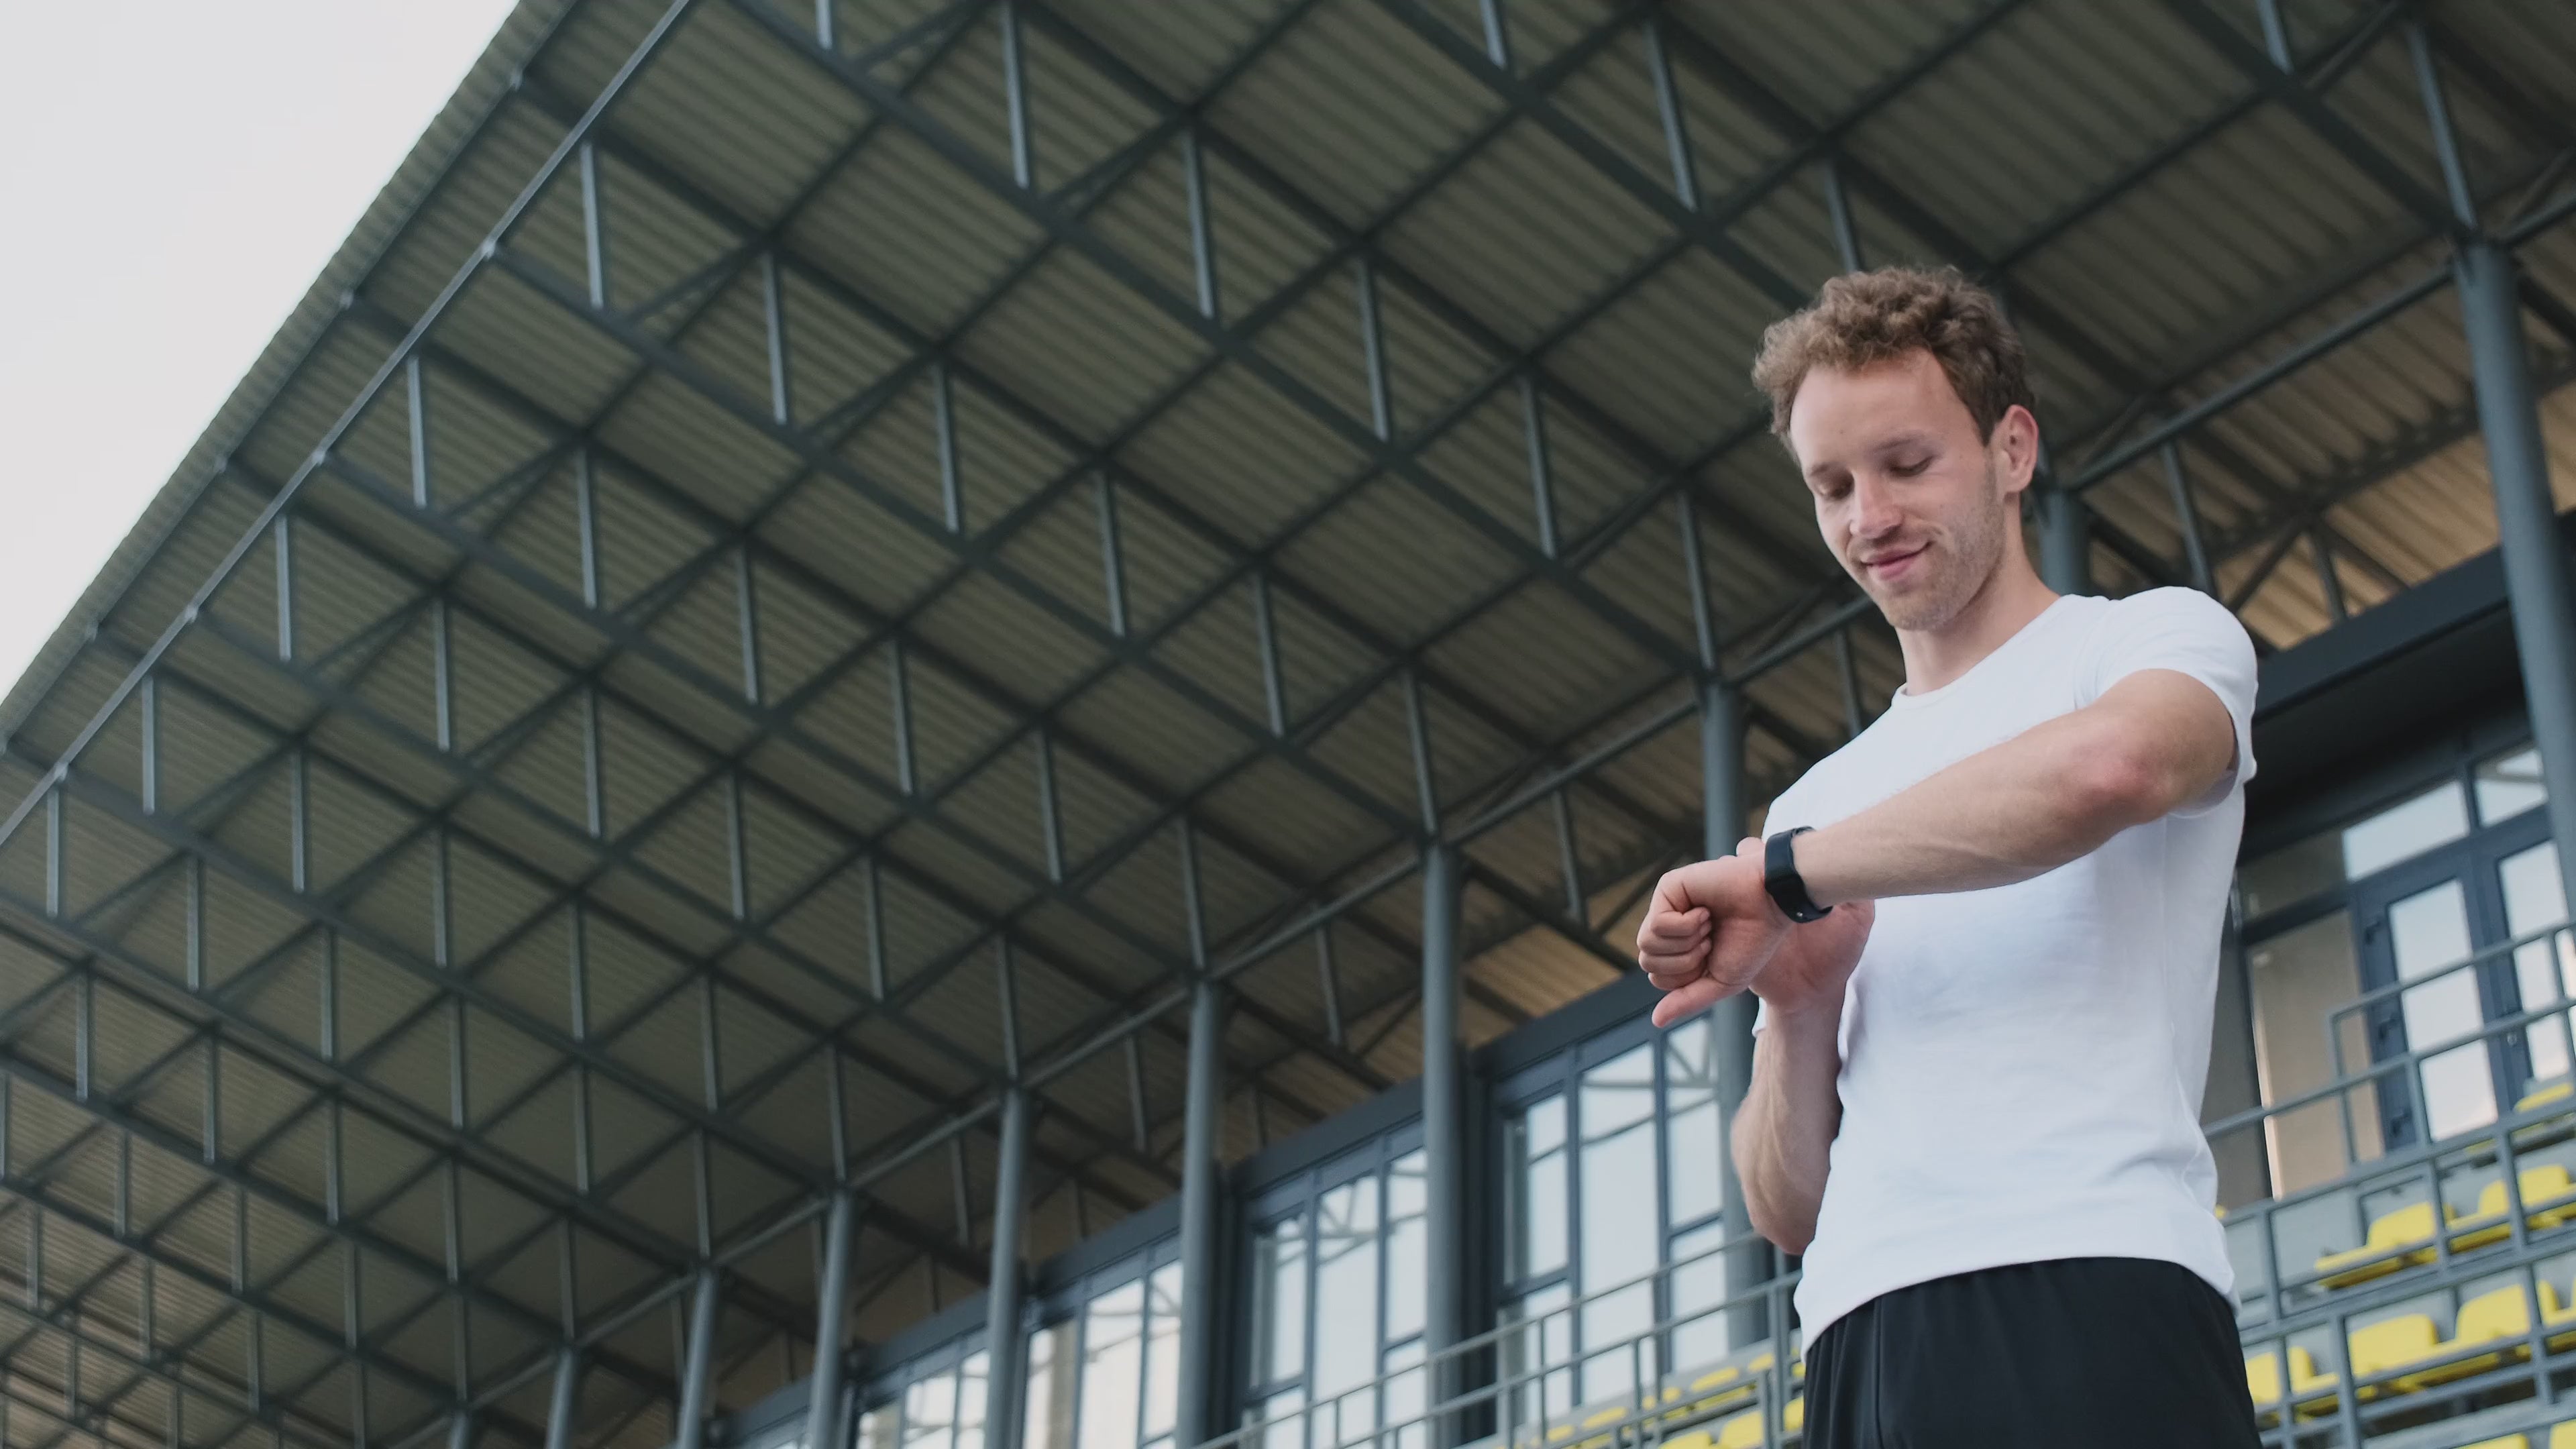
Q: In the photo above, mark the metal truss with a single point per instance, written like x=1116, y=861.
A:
x=339, y=494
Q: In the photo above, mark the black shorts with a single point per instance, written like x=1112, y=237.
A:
x=2102, y=1353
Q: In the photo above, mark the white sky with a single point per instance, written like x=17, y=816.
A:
x=173, y=175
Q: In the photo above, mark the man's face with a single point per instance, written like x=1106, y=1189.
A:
x=1915, y=504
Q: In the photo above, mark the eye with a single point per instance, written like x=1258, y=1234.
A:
x=1908, y=470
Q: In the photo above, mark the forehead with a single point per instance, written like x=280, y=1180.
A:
x=1842, y=408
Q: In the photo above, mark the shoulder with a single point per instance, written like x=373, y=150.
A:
x=2165, y=608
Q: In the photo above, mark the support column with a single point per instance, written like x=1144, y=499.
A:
x=1202, y=1274
x=1005, y=1346
x=2535, y=561
x=2065, y=540
x=1721, y=738
x=696, y=1379
x=1444, y=1134
x=563, y=1411
x=831, y=1323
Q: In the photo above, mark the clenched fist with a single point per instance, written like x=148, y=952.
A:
x=1712, y=931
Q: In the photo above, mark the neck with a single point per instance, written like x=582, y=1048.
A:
x=2011, y=597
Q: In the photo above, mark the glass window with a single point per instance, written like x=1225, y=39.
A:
x=930, y=1413
x=1346, y=1247
x=1407, y=1263
x=2510, y=784
x=2427, y=932
x=1617, y=1210
x=1279, y=1289
x=1541, y=1389
x=2299, y=978
x=878, y=1428
x=1162, y=1352
x=2535, y=899
x=2306, y=869
x=973, y=1395
x=1695, y=1138
x=1699, y=1282
x=1285, y=1424
x=1049, y=1410
x=1113, y=1350
x=1339, y=1300
x=2401, y=832
x=2292, y=874
x=1538, y=1189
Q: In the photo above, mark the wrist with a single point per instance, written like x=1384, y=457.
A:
x=1786, y=885
x=1815, y=851
x=1806, y=1014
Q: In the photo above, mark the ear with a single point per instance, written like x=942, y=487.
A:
x=2015, y=444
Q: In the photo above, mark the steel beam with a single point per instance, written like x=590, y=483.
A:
x=635, y=64
x=1203, y=1291
x=2535, y=561
x=823, y=1426
x=1444, y=1138
x=697, y=1389
x=1005, y=1341
x=2065, y=539
x=1721, y=733
x=563, y=1406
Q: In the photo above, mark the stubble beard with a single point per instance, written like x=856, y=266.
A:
x=1962, y=562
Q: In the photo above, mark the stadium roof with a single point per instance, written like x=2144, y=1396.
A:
x=796, y=564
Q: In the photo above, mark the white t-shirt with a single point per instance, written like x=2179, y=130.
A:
x=2022, y=1067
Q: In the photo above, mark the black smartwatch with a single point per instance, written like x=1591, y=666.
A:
x=1780, y=877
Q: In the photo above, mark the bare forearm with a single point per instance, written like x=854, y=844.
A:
x=2015, y=811
x=1784, y=1135
x=2032, y=803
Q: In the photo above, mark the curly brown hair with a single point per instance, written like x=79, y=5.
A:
x=1862, y=318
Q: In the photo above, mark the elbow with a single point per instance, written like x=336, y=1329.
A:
x=2118, y=783
x=1790, y=1233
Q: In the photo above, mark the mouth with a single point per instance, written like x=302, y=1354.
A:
x=1892, y=564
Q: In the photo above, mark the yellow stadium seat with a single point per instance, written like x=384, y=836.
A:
x=2557, y=1091
x=2315, y=1391
x=2564, y=1436
x=2393, y=1344
x=2488, y=1318
x=2548, y=1196
x=1713, y=1390
x=1744, y=1431
x=1695, y=1439
x=2397, y=1240
x=2509, y=1441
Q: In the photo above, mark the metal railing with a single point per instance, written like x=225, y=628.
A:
x=1500, y=1388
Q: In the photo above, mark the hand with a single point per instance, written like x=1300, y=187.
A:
x=1713, y=930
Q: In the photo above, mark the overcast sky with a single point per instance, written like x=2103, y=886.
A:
x=173, y=175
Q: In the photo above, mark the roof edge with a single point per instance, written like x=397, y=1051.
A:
x=477, y=98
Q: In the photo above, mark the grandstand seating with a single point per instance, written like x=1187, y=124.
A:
x=2444, y=1350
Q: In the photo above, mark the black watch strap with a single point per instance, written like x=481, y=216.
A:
x=1780, y=877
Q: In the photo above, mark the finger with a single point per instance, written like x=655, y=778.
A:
x=1749, y=847
x=1675, y=925
x=1696, y=997
x=1672, y=980
x=1676, y=968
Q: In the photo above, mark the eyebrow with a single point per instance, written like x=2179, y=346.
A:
x=1913, y=438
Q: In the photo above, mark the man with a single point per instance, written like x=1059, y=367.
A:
x=1984, y=935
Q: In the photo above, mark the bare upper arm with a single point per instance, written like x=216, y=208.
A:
x=2168, y=738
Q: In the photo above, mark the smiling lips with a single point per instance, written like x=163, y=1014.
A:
x=1889, y=565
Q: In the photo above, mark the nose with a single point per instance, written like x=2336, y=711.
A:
x=1874, y=513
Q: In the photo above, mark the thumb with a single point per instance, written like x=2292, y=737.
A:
x=1688, y=1000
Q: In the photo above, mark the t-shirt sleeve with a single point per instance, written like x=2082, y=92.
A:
x=2189, y=632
